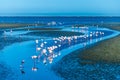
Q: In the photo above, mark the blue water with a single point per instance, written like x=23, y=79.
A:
x=63, y=20
x=13, y=55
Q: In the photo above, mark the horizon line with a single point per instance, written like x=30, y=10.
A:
x=57, y=16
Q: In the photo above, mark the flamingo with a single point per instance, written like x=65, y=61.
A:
x=50, y=59
x=50, y=51
x=90, y=35
x=34, y=69
x=23, y=61
x=45, y=42
x=36, y=41
x=44, y=61
x=38, y=49
x=44, y=52
x=34, y=57
x=42, y=45
x=55, y=42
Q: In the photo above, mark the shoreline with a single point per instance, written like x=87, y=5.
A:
x=92, y=62
x=72, y=66
x=105, y=51
x=19, y=25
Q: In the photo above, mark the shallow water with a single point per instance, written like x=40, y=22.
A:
x=13, y=55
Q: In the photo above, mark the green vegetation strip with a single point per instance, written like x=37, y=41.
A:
x=54, y=33
x=107, y=51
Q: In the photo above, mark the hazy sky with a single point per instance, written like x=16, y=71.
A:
x=60, y=7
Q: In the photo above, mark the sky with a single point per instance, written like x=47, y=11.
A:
x=60, y=7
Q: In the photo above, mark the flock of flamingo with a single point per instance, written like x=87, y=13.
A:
x=48, y=50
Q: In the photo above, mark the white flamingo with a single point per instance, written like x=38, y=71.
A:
x=36, y=41
x=34, y=57
x=34, y=69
